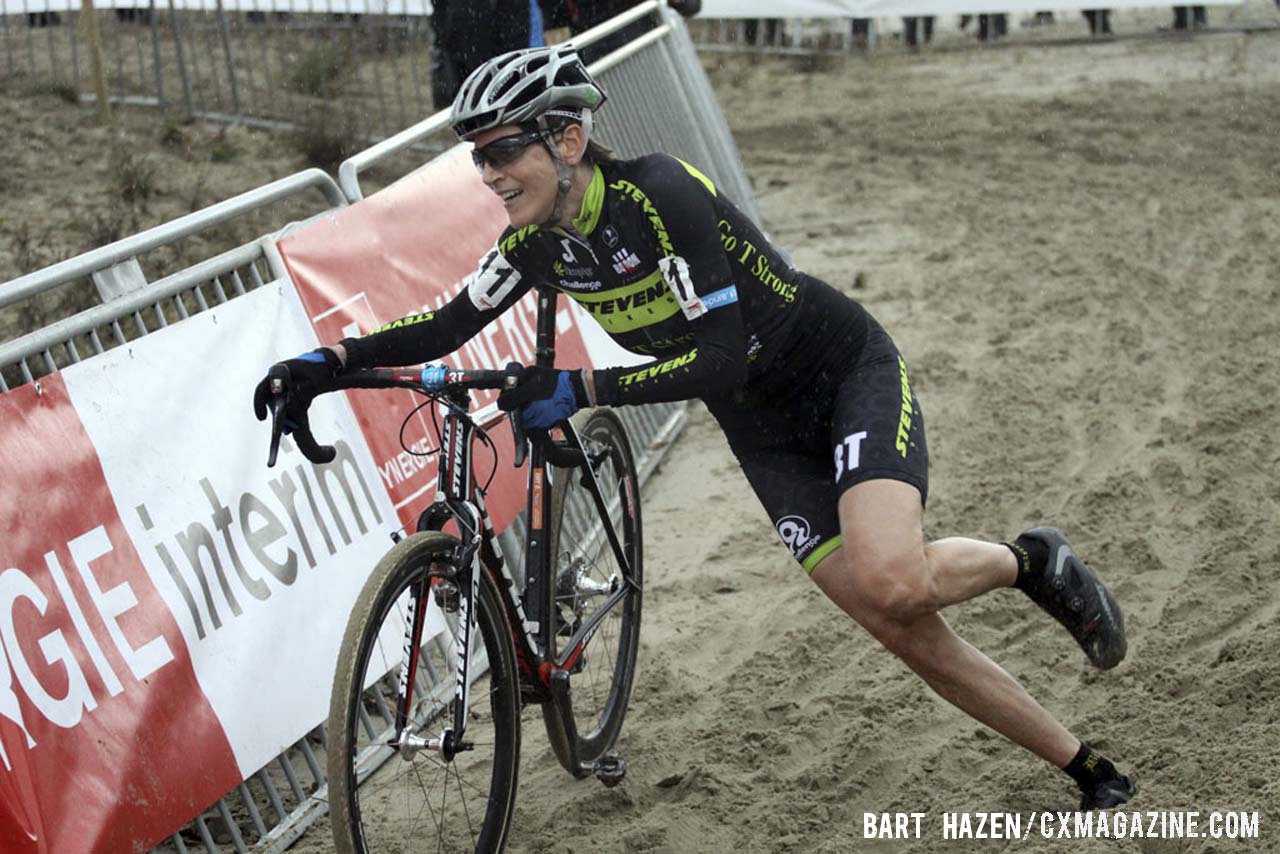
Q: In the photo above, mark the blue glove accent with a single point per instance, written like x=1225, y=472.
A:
x=314, y=356
x=434, y=377
x=546, y=413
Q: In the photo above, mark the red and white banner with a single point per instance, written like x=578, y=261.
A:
x=105, y=734
x=170, y=608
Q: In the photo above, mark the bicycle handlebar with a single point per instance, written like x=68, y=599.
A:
x=430, y=379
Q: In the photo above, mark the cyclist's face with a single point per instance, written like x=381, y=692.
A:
x=520, y=171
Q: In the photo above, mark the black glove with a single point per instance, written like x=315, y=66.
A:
x=303, y=377
x=545, y=396
x=687, y=8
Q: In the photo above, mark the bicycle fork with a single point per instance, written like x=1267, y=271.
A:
x=464, y=582
x=451, y=741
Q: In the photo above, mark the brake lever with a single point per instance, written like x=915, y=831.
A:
x=276, y=406
x=518, y=435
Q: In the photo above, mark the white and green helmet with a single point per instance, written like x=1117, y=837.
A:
x=524, y=86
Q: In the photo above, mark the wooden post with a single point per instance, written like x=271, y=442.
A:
x=89, y=21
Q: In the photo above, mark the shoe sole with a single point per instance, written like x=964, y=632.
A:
x=1103, y=640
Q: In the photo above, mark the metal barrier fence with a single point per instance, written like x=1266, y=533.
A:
x=659, y=100
x=289, y=62
x=130, y=306
x=282, y=63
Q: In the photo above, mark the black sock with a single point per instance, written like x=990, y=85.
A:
x=1089, y=768
x=1032, y=555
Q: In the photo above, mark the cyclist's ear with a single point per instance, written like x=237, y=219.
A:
x=572, y=143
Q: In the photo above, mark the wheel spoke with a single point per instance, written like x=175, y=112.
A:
x=426, y=803
x=463, y=798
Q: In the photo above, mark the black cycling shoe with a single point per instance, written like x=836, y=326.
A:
x=1108, y=794
x=1072, y=594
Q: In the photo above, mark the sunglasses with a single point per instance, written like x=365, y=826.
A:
x=505, y=151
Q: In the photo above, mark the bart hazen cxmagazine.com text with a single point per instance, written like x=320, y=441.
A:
x=1148, y=824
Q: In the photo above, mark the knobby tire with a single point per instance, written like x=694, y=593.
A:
x=601, y=688
x=423, y=803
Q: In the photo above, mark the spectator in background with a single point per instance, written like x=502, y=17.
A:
x=751, y=30
x=1199, y=18
x=1099, y=21
x=861, y=29
x=911, y=30
x=992, y=27
x=582, y=15
x=465, y=33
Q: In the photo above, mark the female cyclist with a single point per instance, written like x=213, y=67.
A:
x=814, y=398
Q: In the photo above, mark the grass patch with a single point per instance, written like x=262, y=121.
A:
x=133, y=174
x=222, y=151
x=172, y=132
x=320, y=70
x=325, y=140
x=198, y=193
x=26, y=255
x=101, y=228
x=63, y=90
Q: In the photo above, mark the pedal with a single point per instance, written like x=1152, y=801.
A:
x=610, y=769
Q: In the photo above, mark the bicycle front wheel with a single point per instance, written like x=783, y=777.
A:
x=383, y=798
x=587, y=573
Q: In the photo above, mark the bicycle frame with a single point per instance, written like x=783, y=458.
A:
x=459, y=499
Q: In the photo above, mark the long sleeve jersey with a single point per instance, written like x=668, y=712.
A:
x=669, y=268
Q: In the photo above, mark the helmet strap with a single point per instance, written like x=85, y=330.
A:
x=564, y=175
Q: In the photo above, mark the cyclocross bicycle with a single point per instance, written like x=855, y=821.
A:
x=423, y=738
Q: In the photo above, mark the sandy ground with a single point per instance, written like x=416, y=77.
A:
x=1077, y=248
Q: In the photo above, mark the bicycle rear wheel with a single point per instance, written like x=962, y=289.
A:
x=586, y=573
x=382, y=800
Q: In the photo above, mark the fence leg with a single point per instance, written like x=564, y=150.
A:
x=73, y=25
x=31, y=45
x=155, y=52
x=8, y=47
x=90, y=20
x=231, y=65
x=182, y=62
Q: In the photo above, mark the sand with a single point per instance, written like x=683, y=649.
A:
x=1077, y=246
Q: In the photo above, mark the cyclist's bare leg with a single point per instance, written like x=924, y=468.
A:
x=893, y=584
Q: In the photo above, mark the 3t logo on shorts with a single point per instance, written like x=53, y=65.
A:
x=849, y=453
x=796, y=535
